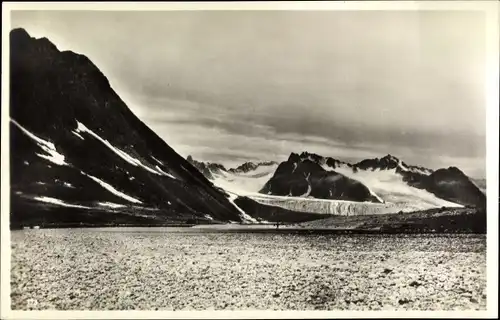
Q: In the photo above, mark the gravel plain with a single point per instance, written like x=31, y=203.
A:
x=167, y=269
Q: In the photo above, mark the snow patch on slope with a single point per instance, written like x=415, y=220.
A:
x=244, y=183
x=243, y=214
x=164, y=173
x=375, y=195
x=111, y=205
x=77, y=134
x=54, y=156
x=157, y=160
x=125, y=156
x=413, y=169
x=59, y=202
x=391, y=188
x=402, y=166
x=309, y=188
x=111, y=189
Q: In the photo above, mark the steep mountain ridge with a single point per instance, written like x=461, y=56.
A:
x=75, y=144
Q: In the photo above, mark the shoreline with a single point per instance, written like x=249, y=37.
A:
x=260, y=229
x=435, y=221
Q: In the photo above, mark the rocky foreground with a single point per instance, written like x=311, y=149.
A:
x=96, y=269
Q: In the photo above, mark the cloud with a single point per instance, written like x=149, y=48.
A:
x=237, y=123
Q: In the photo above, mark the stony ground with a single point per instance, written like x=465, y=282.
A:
x=86, y=269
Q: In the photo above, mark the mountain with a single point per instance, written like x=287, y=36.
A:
x=387, y=179
x=450, y=184
x=210, y=168
x=303, y=176
x=206, y=168
x=480, y=183
x=250, y=166
x=374, y=186
x=245, y=179
x=80, y=156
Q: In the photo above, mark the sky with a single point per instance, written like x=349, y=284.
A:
x=236, y=86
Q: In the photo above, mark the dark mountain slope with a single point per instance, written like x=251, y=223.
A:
x=306, y=178
x=75, y=140
x=450, y=184
x=480, y=183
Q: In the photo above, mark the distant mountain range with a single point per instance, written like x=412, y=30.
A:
x=449, y=184
x=388, y=183
x=250, y=166
x=209, y=169
x=246, y=179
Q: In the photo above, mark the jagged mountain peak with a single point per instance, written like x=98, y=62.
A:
x=451, y=172
x=245, y=167
x=293, y=157
x=20, y=38
x=306, y=154
x=310, y=155
x=268, y=163
x=20, y=34
x=387, y=162
x=314, y=157
x=250, y=166
x=455, y=169
x=390, y=158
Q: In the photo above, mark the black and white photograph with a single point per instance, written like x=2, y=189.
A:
x=207, y=158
